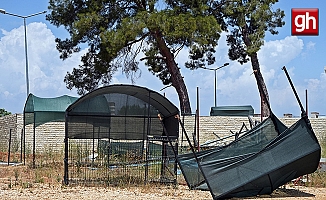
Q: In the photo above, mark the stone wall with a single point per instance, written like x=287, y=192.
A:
x=221, y=125
x=15, y=124
x=50, y=136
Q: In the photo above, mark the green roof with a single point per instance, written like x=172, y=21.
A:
x=41, y=110
x=232, y=110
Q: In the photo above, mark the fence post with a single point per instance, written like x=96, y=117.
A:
x=21, y=146
x=9, y=147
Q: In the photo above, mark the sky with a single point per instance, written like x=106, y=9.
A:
x=303, y=56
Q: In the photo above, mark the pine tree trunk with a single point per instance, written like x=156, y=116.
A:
x=261, y=85
x=176, y=78
x=259, y=77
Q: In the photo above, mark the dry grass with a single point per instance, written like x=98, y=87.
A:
x=48, y=177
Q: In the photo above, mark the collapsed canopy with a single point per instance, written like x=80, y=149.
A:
x=120, y=112
x=258, y=162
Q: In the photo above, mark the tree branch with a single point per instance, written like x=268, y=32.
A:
x=138, y=40
x=157, y=57
x=179, y=49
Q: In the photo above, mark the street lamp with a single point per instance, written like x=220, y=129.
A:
x=26, y=59
x=215, y=69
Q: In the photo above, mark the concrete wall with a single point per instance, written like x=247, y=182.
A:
x=50, y=136
x=208, y=125
x=15, y=124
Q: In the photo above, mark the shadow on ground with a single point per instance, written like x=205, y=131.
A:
x=290, y=193
x=282, y=193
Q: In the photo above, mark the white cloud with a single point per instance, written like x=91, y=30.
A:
x=277, y=53
x=235, y=83
x=311, y=45
x=237, y=86
x=46, y=70
x=316, y=93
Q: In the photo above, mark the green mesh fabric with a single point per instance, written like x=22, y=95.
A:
x=41, y=110
x=122, y=112
x=260, y=161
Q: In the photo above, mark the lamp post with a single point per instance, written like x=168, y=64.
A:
x=215, y=83
x=26, y=59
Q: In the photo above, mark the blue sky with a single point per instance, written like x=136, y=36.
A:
x=304, y=57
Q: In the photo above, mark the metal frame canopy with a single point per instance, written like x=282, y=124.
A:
x=126, y=127
x=122, y=110
x=38, y=111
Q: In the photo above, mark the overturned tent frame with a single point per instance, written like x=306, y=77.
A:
x=255, y=163
x=113, y=135
x=258, y=162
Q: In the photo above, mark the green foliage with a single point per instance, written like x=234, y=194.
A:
x=248, y=22
x=3, y=112
x=116, y=32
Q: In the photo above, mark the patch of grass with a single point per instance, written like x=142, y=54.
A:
x=26, y=185
x=16, y=174
x=317, y=179
x=39, y=178
x=51, y=173
x=323, y=147
x=10, y=184
x=24, y=176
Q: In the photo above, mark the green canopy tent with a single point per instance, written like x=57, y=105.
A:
x=38, y=111
x=115, y=132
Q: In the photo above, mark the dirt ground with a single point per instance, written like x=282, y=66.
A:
x=45, y=191
x=21, y=182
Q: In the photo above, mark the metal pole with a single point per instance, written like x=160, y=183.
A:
x=24, y=17
x=21, y=145
x=66, y=147
x=24, y=138
x=34, y=141
x=261, y=109
x=303, y=112
x=307, y=102
x=215, y=80
x=26, y=58
x=9, y=146
x=198, y=146
x=215, y=88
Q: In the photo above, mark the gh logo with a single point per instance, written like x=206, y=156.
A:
x=304, y=21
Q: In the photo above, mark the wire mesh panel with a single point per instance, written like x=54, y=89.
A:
x=114, y=135
x=116, y=162
x=87, y=165
x=161, y=163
